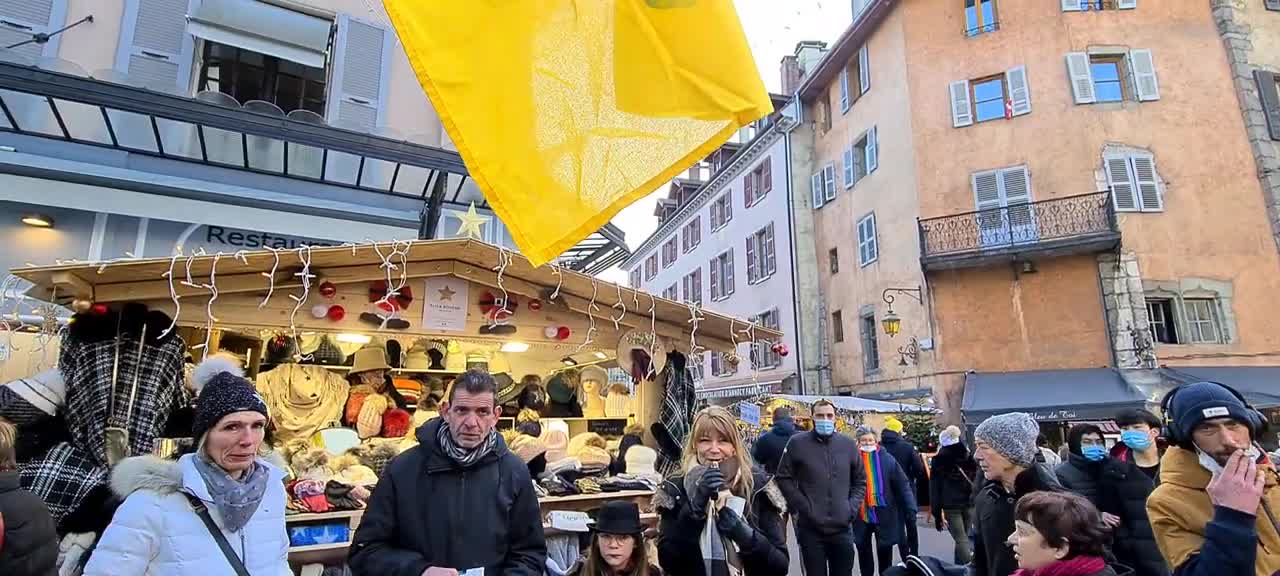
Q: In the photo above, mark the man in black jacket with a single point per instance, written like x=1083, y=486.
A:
x=458, y=501
x=1005, y=448
x=28, y=540
x=822, y=478
x=909, y=460
x=772, y=444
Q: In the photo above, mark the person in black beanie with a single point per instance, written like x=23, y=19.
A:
x=158, y=530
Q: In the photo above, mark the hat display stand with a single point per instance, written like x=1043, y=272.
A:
x=451, y=303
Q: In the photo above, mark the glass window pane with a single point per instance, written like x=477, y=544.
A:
x=988, y=12
x=970, y=16
x=991, y=89
x=1108, y=91
x=989, y=110
x=1105, y=71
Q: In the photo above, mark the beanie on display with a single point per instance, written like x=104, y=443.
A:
x=1195, y=403
x=222, y=389
x=1012, y=435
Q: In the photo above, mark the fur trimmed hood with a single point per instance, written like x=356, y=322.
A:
x=168, y=476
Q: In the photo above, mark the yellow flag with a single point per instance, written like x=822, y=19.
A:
x=567, y=111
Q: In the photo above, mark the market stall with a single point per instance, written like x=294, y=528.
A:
x=312, y=325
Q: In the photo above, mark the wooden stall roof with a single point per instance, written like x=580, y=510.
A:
x=245, y=271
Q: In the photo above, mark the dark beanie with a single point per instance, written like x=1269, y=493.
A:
x=223, y=390
x=1195, y=403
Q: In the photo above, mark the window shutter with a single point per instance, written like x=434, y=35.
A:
x=19, y=19
x=155, y=49
x=766, y=176
x=1143, y=68
x=961, y=109
x=748, y=196
x=753, y=271
x=1126, y=4
x=987, y=201
x=1270, y=97
x=844, y=89
x=770, y=257
x=1081, y=78
x=848, y=167
x=726, y=209
x=829, y=181
x=714, y=267
x=1121, y=184
x=1019, y=92
x=358, y=92
x=873, y=238
x=1144, y=175
x=715, y=213
x=864, y=69
x=815, y=189
x=873, y=151
x=728, y=274
x=1071, y=5
x=1017, y=187
x=859, y=164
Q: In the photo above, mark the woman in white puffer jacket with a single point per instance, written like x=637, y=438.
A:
x=156, y=531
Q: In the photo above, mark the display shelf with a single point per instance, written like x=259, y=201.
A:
x=319, y=547
x=398, y=370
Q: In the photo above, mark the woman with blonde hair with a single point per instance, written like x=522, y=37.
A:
x=720, y=508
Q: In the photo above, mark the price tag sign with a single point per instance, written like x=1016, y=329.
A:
x=609, y=428
x=749, y=413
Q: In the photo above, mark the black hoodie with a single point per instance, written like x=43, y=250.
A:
x=428, y=512
x=951, y=482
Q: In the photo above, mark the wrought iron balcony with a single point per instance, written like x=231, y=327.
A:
x=1073, y=225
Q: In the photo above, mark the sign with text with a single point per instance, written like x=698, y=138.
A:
x=444, y=304
x=749, y=413
x=610, y=428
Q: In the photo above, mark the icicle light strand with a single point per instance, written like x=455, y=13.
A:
x=173, y=294
x=271, y=277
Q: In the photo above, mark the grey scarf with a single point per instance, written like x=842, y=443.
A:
x=464, y=457
x=236, y=500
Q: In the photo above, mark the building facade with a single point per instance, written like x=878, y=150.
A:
x=150, y=126
x=1019, y=188
x=724, y=243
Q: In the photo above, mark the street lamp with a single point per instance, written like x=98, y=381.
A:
x=892, y=322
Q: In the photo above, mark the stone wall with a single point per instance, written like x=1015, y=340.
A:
x=1126, y=309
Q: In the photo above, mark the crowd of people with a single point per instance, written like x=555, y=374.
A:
x=1190, y=495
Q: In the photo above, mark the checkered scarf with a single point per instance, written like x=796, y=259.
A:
x=676, y=415
x=69, y=472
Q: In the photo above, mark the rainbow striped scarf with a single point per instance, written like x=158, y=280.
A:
x=874, y=471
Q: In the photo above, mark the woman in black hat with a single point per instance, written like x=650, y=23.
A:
x=617, y=543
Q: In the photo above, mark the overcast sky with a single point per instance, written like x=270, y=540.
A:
x=773, y=28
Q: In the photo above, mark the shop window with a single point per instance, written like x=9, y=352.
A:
x=246, y=75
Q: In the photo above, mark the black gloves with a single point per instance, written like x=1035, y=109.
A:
x=733, y=526
x=711, y=483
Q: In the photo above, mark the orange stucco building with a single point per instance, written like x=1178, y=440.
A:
x=1071, y=187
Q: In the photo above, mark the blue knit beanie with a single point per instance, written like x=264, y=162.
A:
x=1195, y=403
x=223, y=390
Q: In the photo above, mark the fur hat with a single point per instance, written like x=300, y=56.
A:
x=1011, y=435
x=396, y=423
x=222, y=389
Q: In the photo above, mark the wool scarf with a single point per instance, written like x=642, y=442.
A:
x=235, y=500
x=874, y=471
x=1078, y=566
x=464, y=457
x=719, y=555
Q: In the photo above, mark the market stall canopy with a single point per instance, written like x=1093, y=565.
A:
x=1049, y=395
x=1258, y=384
x=855, y=404
x=246, y=274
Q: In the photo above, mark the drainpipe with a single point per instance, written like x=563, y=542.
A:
x=795, y=280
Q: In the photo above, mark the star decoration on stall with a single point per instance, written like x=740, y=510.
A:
x=469, y=223
x=446, y=294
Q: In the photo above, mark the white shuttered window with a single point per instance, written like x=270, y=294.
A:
x=155, y=49
x=1135, y=187
x=20, y=19
x=361, y=73
x=868, y=244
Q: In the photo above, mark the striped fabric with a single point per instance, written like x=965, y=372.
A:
x=874, y=472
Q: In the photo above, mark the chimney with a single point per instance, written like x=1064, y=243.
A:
x=808, y=54
x=791, y=75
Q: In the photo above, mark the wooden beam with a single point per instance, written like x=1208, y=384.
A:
x=68, y=285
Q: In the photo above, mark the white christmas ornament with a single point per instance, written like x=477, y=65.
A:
x=319, y=311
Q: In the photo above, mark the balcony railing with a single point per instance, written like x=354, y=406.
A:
x=1074, y=224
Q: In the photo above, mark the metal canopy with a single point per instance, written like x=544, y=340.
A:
x=213, y=129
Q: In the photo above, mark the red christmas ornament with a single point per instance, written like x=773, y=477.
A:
x=563, y=333
x=337, y=313
x=328, y=289
x=99, y=309
x=535, y=305
x=781, y=349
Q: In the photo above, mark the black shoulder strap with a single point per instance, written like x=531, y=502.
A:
x=203, y=512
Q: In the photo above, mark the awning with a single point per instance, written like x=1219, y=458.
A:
x=1049, y=395
x=263, y=28
x=855, y=404
x=1259, y=384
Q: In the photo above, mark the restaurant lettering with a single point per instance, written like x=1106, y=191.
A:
x=247, y=239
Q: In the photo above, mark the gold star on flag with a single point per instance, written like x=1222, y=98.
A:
x=446, y=294
x=469, y=222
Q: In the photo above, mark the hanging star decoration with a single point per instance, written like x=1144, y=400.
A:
x=446, y=294
x=469, y=223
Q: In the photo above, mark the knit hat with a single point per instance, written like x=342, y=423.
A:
x=893, y=424
x=1011, y=435
x=222, y=389
x=369, y=422
x=328, y=353
x=641, y=460
x=526, y=447
x=1195, y=403
x=949, y=435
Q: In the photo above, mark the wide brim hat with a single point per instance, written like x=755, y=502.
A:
x=634, y=345
x=416, y=358
x=508, y=388
x=618, y=517
x=370, y=358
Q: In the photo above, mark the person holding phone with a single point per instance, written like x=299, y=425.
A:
x=720, y=492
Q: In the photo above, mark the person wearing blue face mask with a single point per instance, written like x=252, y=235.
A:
x=1140, y=430
x=1119, y=489
x=822, y=477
